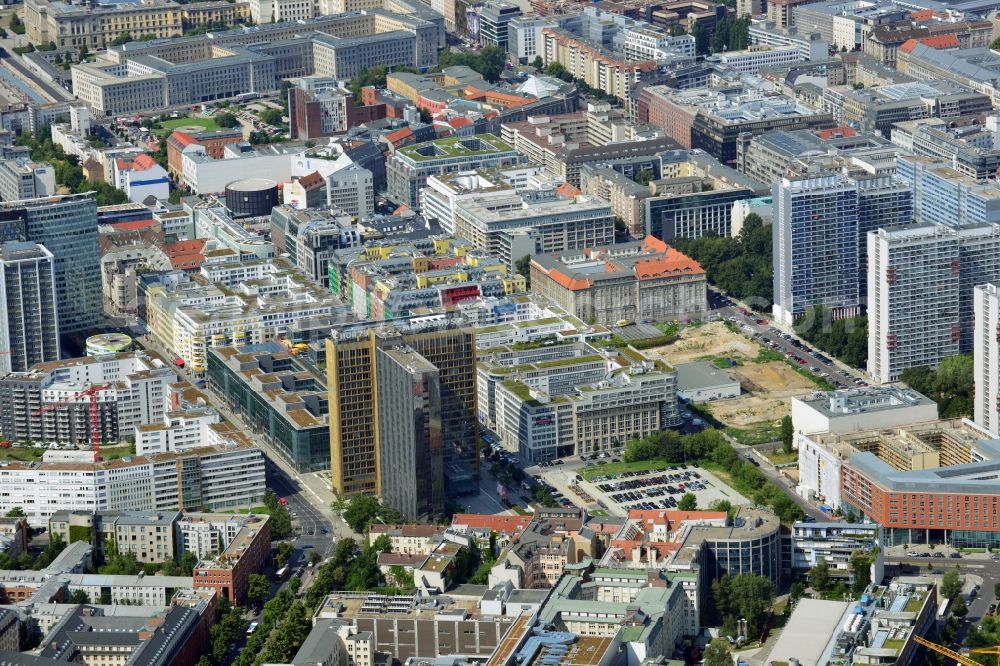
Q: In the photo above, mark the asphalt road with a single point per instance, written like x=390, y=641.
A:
x=727, y=309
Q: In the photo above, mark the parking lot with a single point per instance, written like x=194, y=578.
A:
x=659, y=488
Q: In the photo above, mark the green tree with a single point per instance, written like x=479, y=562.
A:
x=295, y=584
x=744, y=596
x=226, y=120
x=258, y=587
x=995, y=44
x=717, y=653
x=951, y=585
x=360, y=512
x=677, y=30
x=373, y=76
x=958, y=607
x=79, y=597
x=819, y=576
x=797, y=590
x=720, y=505
x=701, y=38
x=270, y=116
x=523, y=268
x=951, y=385
x=996, y=590
x=787, y=433
x=16, y=25
x=558, y=70
x=688, y=502
x=861, y=563
x=122, y=38
x=644, y=176
x=16, y=512
x=281, y=519
x=489, y=62
x=283, y=553
x=537, y=63
x=741, y=265
x=315, y=558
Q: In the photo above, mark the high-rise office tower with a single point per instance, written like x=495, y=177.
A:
x=883, y=201
x=986, y=357
x=815, y=247
x=369, y=451
x=820, y=245
x=67, y=227
x=409, y=431
x=913, y=278
x=29, y=322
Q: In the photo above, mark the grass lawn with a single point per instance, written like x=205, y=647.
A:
x=894, y=644
x=782, y=458
x=617, y=468
x=21, y=454
x=260, y=509
x=116, y=452
x=762, y=434
x=598, y=513
x=168, y=126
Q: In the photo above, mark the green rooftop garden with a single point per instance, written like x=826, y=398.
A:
x=575, y=360
x=456, y=146
x=915, y=603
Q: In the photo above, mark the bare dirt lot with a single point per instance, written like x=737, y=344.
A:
x=774, y=379
x=709, y=340
x=770, y=385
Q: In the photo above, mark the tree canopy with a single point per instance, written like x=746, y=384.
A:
x=489, y=62
x=745, y=596
x=847, y=339
x=740, y=266
x=952, y=385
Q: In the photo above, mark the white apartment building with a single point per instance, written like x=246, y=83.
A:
x=524, y=36
x=204, y=533
x=912, y=299
x=444, y=192
x=130, y=390
x=645, y=42
x=986, y=357
x=139, y=590
x=810, y=45
x=512, y=226
x=211, y=478
x=751, y=61
x=352, y=190
x=186, y=430
x=922, y=279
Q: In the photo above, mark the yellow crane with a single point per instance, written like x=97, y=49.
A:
x=960, y=658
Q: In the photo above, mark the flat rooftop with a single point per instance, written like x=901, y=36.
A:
x=808, y=632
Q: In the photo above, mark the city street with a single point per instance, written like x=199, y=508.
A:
x=725, y=307
x=308, y=495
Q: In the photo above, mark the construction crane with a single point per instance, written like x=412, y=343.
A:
x=960, y=658
x=95, y=413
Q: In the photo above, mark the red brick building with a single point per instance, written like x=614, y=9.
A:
x=246, y=554
x=214, y=142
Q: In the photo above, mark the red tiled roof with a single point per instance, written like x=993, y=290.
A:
x=458, y=122
x=399, y=135
x=569, y=190
x=949, y=41
x=182, y=138
x=133, y=225
x=836, y=132
x=501, y=524
x=143, y=162
x=311, y=180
